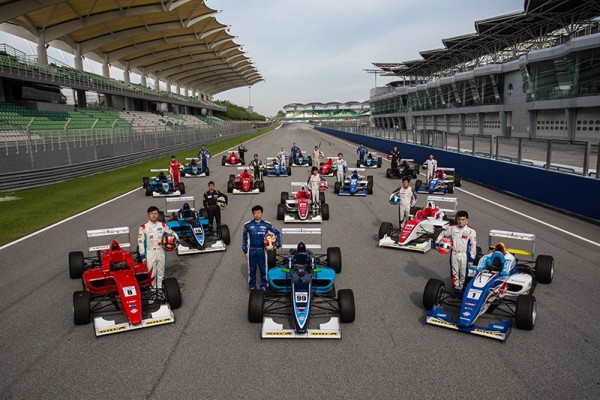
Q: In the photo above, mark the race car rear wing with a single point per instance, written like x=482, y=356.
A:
x=291, y=232
x=452, y=202
x=192, y=159
x=159, y=170
x=243, y=168
x=512, y=236
x=445, y=169
x=179, y=201
x=114, y=233
x=297, y=185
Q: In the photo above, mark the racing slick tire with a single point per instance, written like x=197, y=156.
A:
x=457, y=181
x=370, y=187
x=478, y=255
x=271, y=259
x=418, y=184
x=450, y=187
x=388, y=173
x=309, y=159
x=370, y=179
x=223, y=160
x=325, y=211
x=322, y=197
x=224, y=234
x=172, y=292
x=231, y=177
x=525, y=312
x=289, y=171
x=280, y=212
x=76, y=264
x=336, y=187
x=334, y=259
x=161, y=216
x=229, y=187
x=261, y=186
x=357, y=163
x=145, y=182
x=379, y=162
x=283, y=197
x=242, y=162
x=433, y=293
x=256, y=303
x=544, y=269
x=207, y=171
x=384, y=229
x=346, y=303
x=81, y=308
x=415, y=172
x=182, y=187
x=149, y=190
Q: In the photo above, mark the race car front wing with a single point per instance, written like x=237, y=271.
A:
x=496, y=330
x=328, y=330
x=218, y=245
x=162, y=316
x=422, y=247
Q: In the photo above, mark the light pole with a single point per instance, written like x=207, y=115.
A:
x=249, y=98
x=375, y=72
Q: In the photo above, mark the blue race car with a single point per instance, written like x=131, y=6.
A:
x=372, y=160
x=273, y=168
x=442, y=182
x=500, y=284
x=355, y=184
x=301, y=161
x=194, y=169
x=162, y=185
x=192, y=227
x=302, y=289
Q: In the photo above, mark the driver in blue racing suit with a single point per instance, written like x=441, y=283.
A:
x=362, y=152
x=253, y=246
x=204, y=155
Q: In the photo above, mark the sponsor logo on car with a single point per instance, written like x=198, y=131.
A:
x=323, y=333
x=110, y=330
x=158, y=321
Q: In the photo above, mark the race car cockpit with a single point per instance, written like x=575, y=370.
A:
x=186, y=212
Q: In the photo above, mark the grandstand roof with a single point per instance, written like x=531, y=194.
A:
x=179, y=41
x=333, y=104
x=542, y=23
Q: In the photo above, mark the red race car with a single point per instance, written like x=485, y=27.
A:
x=118, y=291
x=328, y=168
x=244, y=183
x=232, y=159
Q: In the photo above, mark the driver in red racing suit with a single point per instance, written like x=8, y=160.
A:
x=174, y=171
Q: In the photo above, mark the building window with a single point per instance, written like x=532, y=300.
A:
x=510, y=89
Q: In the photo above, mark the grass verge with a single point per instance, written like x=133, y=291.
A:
x=34, y=209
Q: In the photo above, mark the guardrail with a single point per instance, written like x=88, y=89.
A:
x=28, y=179
x=575, y=194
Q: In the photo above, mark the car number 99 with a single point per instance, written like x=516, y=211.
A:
x=301, y=297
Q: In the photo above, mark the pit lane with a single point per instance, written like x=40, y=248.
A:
x=388, y=352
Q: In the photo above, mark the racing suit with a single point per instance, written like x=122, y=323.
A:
x=431, y=167
x=295, y=150
x=395, y=158
x=342, y=166
x=174, y=170
x=362, y=152
x=204, y=155
x=256, y=165
x=464, y=250
x=150, y=248
x=213, y=209
x=314, y=183
x=253, y=244
x=317, y=155
x=282, y=158
x=241, y=150
x=407, y=200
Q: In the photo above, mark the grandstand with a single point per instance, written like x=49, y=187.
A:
x=353, y=111
x=533, y=73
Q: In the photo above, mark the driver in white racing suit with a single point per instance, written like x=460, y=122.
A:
x=314, y=183
x=431, y=165
x=282, y=158
x=150, y=247
x=464, y=248
x=408, y=199
x=342, y=166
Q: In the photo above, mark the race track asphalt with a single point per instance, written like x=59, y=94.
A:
x=212, y=351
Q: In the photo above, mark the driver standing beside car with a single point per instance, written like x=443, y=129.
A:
x=408, y=199
x=431, y=165
x=464, y=249
x=342, y=166
x=150, y=245
x=211, y=203
x=314, y=185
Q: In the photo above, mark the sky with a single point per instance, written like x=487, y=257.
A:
x=317, y=50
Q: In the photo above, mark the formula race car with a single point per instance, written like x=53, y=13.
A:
x=297, y=206
x=302, y=291
x=355, y=184
x=161, y=185
x=419, y=232
x=192, y=227
x=194, y=169
x=403, y=169
x=372, y=160
x=328, y=168
x=232, y=159
x=273, y=168
x=244, y=183
x=301, y=161
x=442, y=182
x=118, y=293
x=500, y=284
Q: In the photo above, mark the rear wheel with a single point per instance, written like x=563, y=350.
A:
x=334, y=259
x=172, y=292
x=432, y=295
x=379, y=162
x=145, y=181
x=256, y=303
x=544, y=268
x=450, y=187
x=369, y=187
x=224, y=234
x=525, y=312
x=346, y=303
x=271, y=259
x=223, y=160
x=204, y=213
x=81, y=308
x=370, y=179
x=309, y=160
x=161, y=216
x=457, y=181
x=414, y=210
x=388, y=173
x=418, y=184
x=231, y=177
x=283, y=198
x=289, y=171
x=229, y=187
x=207, y=171
x=76, y=264
x=261, y=186
x=280, y=211
x=384, y=229
x=357, y=163
x=325, y=211
x=148, y=190
x=336, y=187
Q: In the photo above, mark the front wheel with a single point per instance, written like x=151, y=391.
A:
x=432, y=295
x=336, y=187
x=271, y=259
x=148, y=190
x=207, y=171
x=280, y=211
x=283, y=197
x=256, y=303
x=346, y=303
x=418, y=184
x=525, y=312
x=384, y=229
x=322, y=197
x=450, y=187
x=369, y=187
x=325, y=211
x=261, y=186
x=81, y=308
x=172, y=292
x=229, y=187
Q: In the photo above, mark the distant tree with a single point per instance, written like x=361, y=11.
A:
x=280, y=114
x=238, y=113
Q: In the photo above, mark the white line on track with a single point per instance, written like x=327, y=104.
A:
x=96, y=207
x=502, y=206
